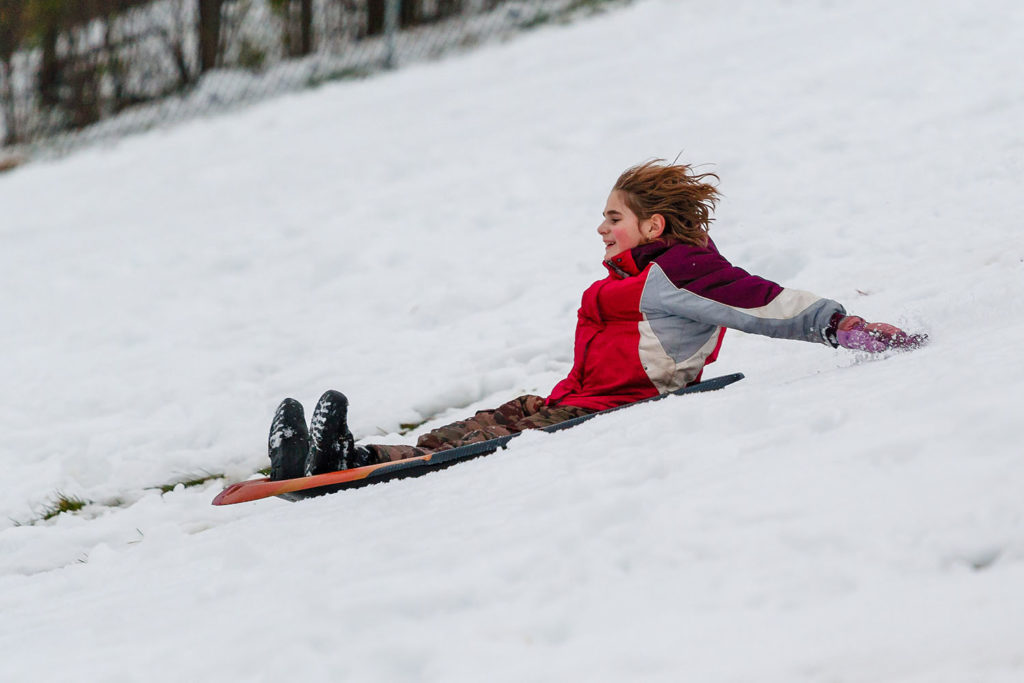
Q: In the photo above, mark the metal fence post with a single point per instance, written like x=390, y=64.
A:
x=391, y=13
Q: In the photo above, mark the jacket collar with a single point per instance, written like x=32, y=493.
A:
x=633, y=262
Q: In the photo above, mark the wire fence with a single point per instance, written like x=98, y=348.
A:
x=75, y=71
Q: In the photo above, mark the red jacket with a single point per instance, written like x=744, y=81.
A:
x=652, y=325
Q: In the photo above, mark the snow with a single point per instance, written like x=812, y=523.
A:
x=420, y=241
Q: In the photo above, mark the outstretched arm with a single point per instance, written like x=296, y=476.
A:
x=701, y=285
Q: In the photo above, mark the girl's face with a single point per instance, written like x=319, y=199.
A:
x=621, y=230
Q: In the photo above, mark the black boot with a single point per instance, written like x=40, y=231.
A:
x=332, y=446
x=330, y=440
x=288, y=443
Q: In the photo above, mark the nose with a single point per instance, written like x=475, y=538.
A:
x=603, y=228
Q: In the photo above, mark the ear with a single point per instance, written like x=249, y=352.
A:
x=656, y=227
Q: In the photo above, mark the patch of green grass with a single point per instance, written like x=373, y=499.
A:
x=64, y=503
x=197, y=480
x=406, y=427
x=592, y=5
x=60, y=504
x=350, y=73
x=538, y=19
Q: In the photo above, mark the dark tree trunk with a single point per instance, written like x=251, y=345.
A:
x=375, y=17
x=50, y=71
x=11, y=30
x=9, y=132
x=12, y=33
x=209, y=33
x=306, y=45
x=409, y=14
x=447, y=8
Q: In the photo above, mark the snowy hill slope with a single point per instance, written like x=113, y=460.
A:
x=420, y=241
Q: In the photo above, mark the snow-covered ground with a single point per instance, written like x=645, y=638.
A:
x=420, y=240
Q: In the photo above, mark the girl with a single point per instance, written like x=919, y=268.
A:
x=648, y=328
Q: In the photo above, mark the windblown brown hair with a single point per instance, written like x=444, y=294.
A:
x=685, y=199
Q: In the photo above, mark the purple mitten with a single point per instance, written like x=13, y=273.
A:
x=852, y=332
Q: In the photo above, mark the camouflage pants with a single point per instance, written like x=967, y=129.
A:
x=525, y=412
